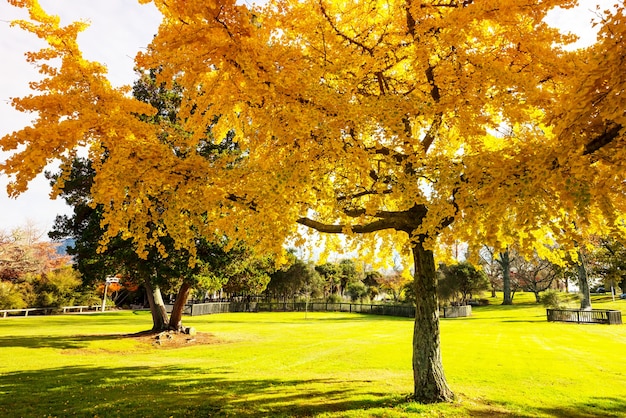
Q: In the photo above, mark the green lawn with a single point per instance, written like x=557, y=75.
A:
x=503, y=361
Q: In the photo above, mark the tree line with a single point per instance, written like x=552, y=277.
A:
x=33, y=273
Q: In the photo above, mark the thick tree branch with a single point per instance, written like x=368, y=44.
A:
x=407, y=221
x=604, y=139
x=340, y=229
x=432, y=132
x=434, y=91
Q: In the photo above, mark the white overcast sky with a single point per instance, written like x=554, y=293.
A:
x=119, y=28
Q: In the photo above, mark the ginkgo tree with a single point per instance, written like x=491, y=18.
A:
x=403, y=122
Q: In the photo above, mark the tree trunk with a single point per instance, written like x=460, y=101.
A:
x=505, y=264
x=583, y=283
x=157, y=307
x=176, y=317
x=430, y=384
x=537, y=298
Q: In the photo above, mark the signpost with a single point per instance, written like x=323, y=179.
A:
x=108, y=280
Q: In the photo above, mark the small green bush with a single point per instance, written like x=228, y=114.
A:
x=334, y=298
x=552, y=299
x=10, y=297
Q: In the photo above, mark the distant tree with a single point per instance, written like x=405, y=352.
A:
x=247, y=273
x=337, y=276
x=497, y=265
x=583, y=280
x=609, y=262
x=313, y=286
x=371, y=280
x=461, y=279
x=58, y=288
x=392, y=284
x=348, y=273
x=11, y=296
x=294, y=278
x=32, y=272
x=357, y=291
x=22, y=251
x=492, y=268
x=331, y=275
x=535, y=274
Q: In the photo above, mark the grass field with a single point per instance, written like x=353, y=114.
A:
x=502, y=361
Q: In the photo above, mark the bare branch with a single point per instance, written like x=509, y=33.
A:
x=363, y=193
x=343, y=35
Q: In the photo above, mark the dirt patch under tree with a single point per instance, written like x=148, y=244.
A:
x=173, y=339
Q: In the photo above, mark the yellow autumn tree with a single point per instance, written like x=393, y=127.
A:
x=403, y=122
x=590, y=125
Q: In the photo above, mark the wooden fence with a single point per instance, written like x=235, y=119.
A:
x=48, y=310
x=390, y=310
x=595, y=316
x=223, y=307
x=24, y=311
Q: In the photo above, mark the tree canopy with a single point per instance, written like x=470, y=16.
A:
x=353, y=111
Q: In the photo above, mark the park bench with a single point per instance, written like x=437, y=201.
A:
x=594, y=316
x=25, y=311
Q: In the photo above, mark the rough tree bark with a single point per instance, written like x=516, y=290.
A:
x=176, y=317
x=505, y=264
x=160, y=320
x=429, y=380
x=583, y=283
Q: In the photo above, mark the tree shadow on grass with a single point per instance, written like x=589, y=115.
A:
x=175, y=391
x=596, y=407
x=171, y=391
x=92, y=319
x=526, y=321
x=62, y=342
x=539, y=318
x=592, y=408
